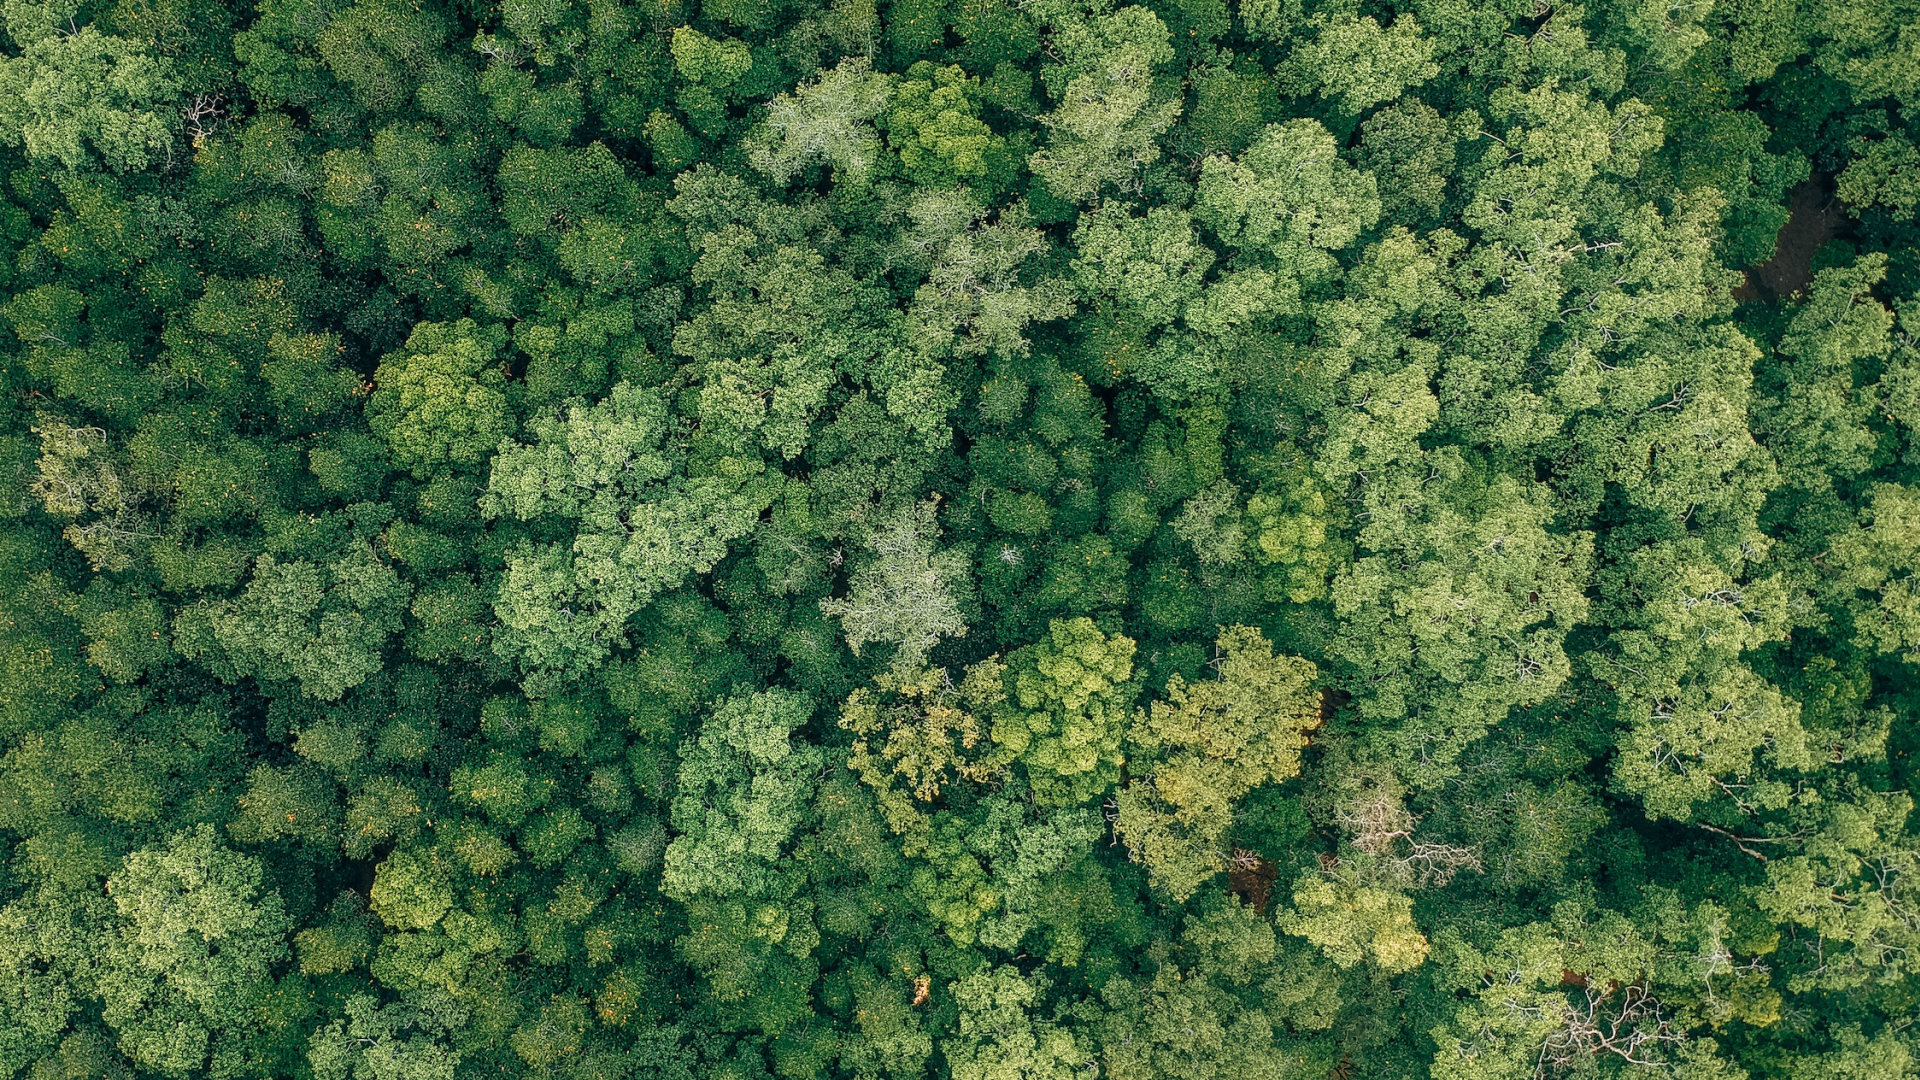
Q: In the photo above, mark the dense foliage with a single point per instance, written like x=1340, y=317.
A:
x=973, y=539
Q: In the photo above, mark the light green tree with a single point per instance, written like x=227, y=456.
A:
x=827, y=122
x=401, y=1041
x=1351, y=922
x=905, y=593
x=618, y=470
x=1000, y=1038
x=743, y=790
x=707, y=61
x=1582, y=990
x=1877, y=564
x=323, y=624
x=49, y=942
x=1843, y=886
x=976, y=299
x=1108, y=112
x=934, y=124
x=411, y=890
x=79, y=479
x=1700, y=724
x=1457, y=608
x=191, y=949
x=1290, y=193
x=743, y=794
x=1359, y=65
x=1814, y=417
x=81, y=97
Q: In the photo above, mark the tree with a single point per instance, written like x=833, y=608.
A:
x=1187, y=1017
x=1290, y=194
x=410, y=891
x=743, y=794
x=388, y=1042
x=81, y=97
x=645, y=519
x=743, y=788
x=925, y=732
x=438, y=402
x=1201, y=749
x=1438, y=586
x=325, y=625
x=1351, y=923
x=934, y=124
x=1836, y=887
x=78, y=477
x=999, y=1039
x=829, y=122
x=1108, y=114
x=1069, y=704
x=1577, y=989
x=190, y=949
x=907, y=595
x=1359, y=65
x=976, y=300
x=1880, y=558
x=48, y=944
x=1816, y=418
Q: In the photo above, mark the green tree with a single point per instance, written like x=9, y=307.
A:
x=829, y=122
x=81, y=97
x=906, y=595
x=438, y=402
x=1000, y=1038
x=1069, y=705
x=1199, y=751
x=743, y=790
x=1875, y=566
x=1107, y=112
x=387, y=1041
x=325, y=625
x=934, y=124
x=646, y=517
x=1439, y=583
x=1359, y=65
x=188, y=954
x=1291, y=194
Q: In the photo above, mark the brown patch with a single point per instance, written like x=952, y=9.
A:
x=1570, y=977
x=1252, y=882
x=1815, y=217
x=922, y=989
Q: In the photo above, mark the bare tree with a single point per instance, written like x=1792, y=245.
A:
x=202, y=117
x=1630, y=1028
x=1380, y=825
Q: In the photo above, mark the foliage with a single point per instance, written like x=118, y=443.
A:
x=961, y=540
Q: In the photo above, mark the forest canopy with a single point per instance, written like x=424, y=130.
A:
x=959, y=539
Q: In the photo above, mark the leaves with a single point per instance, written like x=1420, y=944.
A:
x=193, y=940
x=438, y=403
x=1316, y=559
x=616, y=469
x=1207, y=745
x=907, y=595
x=83, y=97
